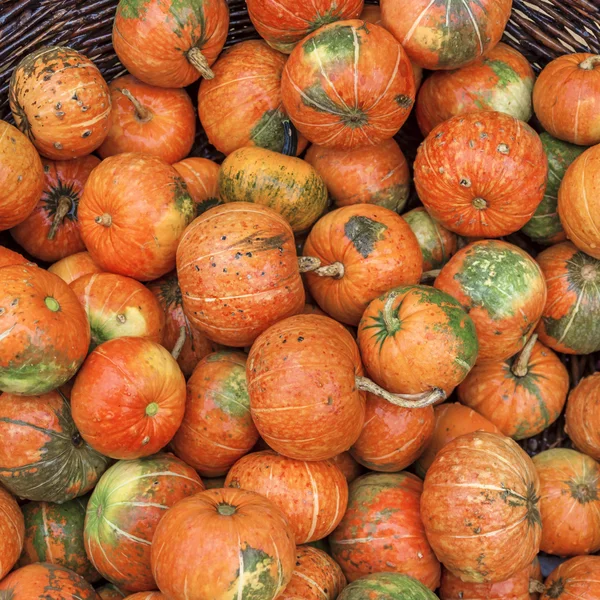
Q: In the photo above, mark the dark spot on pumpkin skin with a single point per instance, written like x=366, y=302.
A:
x=403, y=101
x=364, y=233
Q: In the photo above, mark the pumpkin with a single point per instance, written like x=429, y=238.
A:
x=322, y=94
x=316, y=360
x=124, y=510
x=147, y=596
x=370, y=175
x=481, y=174
x=382, y=530
x=110, y=592
x=350, y=468
x=238, y=272
x=118, y=306
x=436, y=242
x=575, y=578
x=149, y=119
x=446, y=35
x=569, y=322
x=386, y=585
x=514, y=588
x=217, y=428
x=128, y=398
x=248, y=533
x=522, y=395
x=177, y=328
x=201, y=177
x=565, y=98
x=316, y=576
x=577, y=201
x=349, y=245
x=582, y=416
x=503, y=290
x=74, y=266
x=451, y=421
x=241, y=106
x=37, y=433
x=286, y=184
x=21, y=176
x=480, y=507
x=45, y=333
x=54, y=534
x=12, y=530
x=312, y=495
x=60, y=101
x=132, y=214
x=170, y=43
x=502, y=80
x=545, y=226
x=10, y=257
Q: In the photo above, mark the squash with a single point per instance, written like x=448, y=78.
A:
x=349, y=467
x=132, y=214
x=74, y=266
x=503, y=290
x=370, y=175
x=569, y=502
x=128, y=398
x=45, y=332
x=446, y=35
x=10, y=257
x=248, y=533
x=312, y=495
x=582, y=417
x=502, y=80
x=21, y=176
x=60, y=101
x=147, y=596
x=575, y=578
x=481, y=174
x=36, y=434
x=201, y=177
x=347, y=247
x=12, y=530
x=480, y=507
x=382, y=530
x=386, y=585
x=118, y=306
x=124, y=510
x=109, y=591
x=238, y=277
x=569, y=322
x=286, y=184
x=217, y=428
x=565, y=98
x=514, y=588
x=321, y=90
x=149, y=119
x=170, y=43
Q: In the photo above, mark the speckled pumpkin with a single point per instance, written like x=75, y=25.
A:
x=578, y=578
x=201, y=177
x=386, y=585
x=9, y=257
x=515, y=588
x=74, y=266
x=12, y=530
x=583, y=416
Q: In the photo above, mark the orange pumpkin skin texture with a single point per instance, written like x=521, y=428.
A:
x=583, y=416
x=312, y=495
x=446, y=35
x=45, y=331
x=348, y=84
x=147, y=596
x=316, y=360
x=111, y=592
x=569, y=502
x=238, y=272
x=370, y=175
x=10, y=257
x=74, y=266
x=242, y=528
x=217, y=428
x=201, y=177
x=514, y=588
x=12, y=531
x=482, y=174
x=565, y=98
x=382, y=530
x=576, y=578
x=149, y=119
x=133, y=212
x=60, y=101
x=503, y=320
x=349, y=467
x=481, y=483
x=128, y=398
x=160, y=42
x=21, y=176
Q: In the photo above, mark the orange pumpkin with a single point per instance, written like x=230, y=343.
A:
x=238, y=272
x=51, y=231
x=12, y=531
x=149, y=119
x=322, y=94
x=514, y=588
x=565, y=98
x=60, y=101
x=147, y=596
x=201, y=177
x=576, y=578
x=111, y=592
x=170, y=43
x=350, y=245
x=583, y=416
x=74, y=266
x=481, y=174
x=132, y=214
x=10, y=257
x=480, y=507
x=349, y=467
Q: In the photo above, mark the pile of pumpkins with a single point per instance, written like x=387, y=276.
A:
x=177, y=422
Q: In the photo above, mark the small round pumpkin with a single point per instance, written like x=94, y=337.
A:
x=74, y=266
x=201, y=177
x=12, y=531
x=9, y=257
x=583, y=416
x=514, y=588
x=349, y=467
x=576, y=578
x=109, y=591
x=386, y=585
x=60, y=101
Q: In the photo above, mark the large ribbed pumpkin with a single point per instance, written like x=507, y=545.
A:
x=578, y=578
x=514, y=588
x=386, y=585
x=12, y=531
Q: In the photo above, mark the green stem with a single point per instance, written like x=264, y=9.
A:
x=404, y=400
x=390, y=319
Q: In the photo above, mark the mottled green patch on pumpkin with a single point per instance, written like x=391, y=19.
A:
x=33, y=377
x=393, y=197
x=386, y=585
x=365, y=490
x=256, y=580
x=183, y=201
x=428, y=235
x=364, y=233
x=316, y=97
x=187, y=15
x=133, y=9
x=269, y=131
x=106, y=326
x=233, y=398
x=333, y=44
x=505, y=73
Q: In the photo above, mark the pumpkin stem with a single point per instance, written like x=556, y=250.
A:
x=405, y=400
x=520, y=366
x=141, y=112
x=198, y=60
x=311, y=264
x=480, y=203
x=589, y=63
x=391, y=320
x=63, y=207
x=429, y=275
x=290, y=138
x=226, y=509
x=105, y=220
x=536, y=587
x=178, y=347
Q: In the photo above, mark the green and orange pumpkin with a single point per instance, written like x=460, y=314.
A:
x=575, y=578
x=12, y=530
x=201, y=177
x=582, y=418
x=386, y=585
